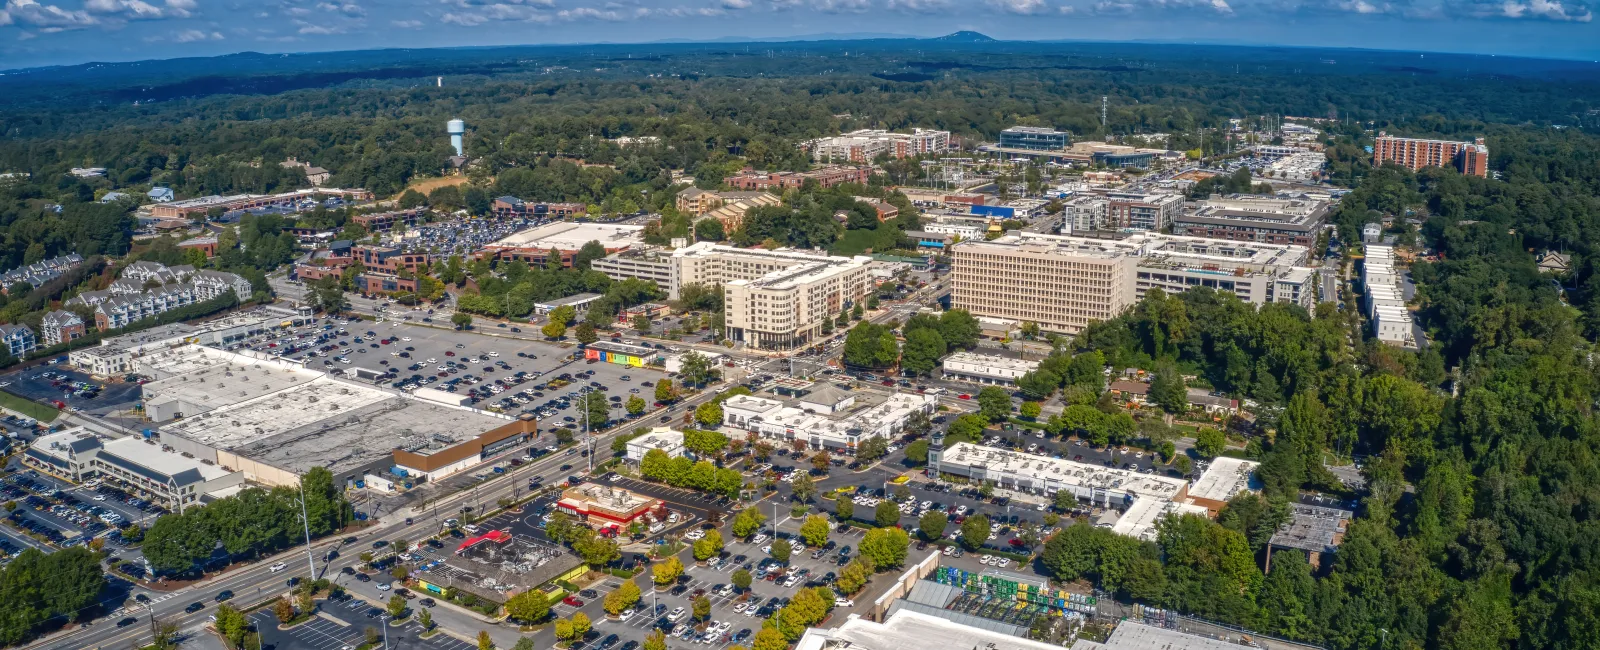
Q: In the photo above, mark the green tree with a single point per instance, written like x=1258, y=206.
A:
x=1167, y=390
x=922, y=351
x=885, y=547
x=959, y=329
x=656, y=640
x=554, y=329
x=666, y=573
x=815, y=531
x=709, y=414
x=531, y=606
x=748, y=522
x=701, y=607
x=769, y=638
x=853, y=577
x=994, y=403
x=844, y=509
x=709, y=230
x=598, y=407
x=397, y=606
x=621, y=598
x=933, y=524
x=461, y=320
x=1209, y=442
x=742, y=579
x=781, y=549
x=635, y=405
x=664, y=391
x=709, y=546
x=886, y=514
x=1031, y=410
x=871, y=449
x=580, y=625
x=586, y=333
x=285, y=611
x=803, y=487
x=975, y=532
x=425, y=619
x=1039, y=384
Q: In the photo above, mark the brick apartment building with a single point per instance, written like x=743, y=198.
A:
x=1470, y=158
x=827, y=177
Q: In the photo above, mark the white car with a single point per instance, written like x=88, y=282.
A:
x=383, y=586
x=675, y=614
x=406, y=339
x=843, y=602
x=759, y=538
x=738, y=608
x=694, y=534
x=628, y=613
x=277, y=567
x=1004, y=562
x=492, y=353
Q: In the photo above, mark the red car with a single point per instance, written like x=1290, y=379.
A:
x=573, y=601
x=963, y=396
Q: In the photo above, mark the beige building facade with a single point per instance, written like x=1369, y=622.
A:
x=785, y=309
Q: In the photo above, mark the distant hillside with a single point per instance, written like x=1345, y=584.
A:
x=965, y=37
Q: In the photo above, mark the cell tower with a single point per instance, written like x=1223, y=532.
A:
x=456, y=128
x=1103, y=102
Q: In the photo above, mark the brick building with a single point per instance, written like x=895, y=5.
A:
x=1470, y=158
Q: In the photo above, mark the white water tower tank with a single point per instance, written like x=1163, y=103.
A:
x=456, y=128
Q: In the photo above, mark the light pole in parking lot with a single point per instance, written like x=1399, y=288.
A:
x=306, y=520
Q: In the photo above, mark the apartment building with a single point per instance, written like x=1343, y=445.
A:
x=698, y=202
x=61, y=326
x=735, y=204
x=865, y=145
x=654, y=264
x=19, y=340
x=707, y=263
x=1470, y=158
x=1063, y=283
x=147, y=289
x=38, y=273
x=1084, y=213
x=785, y=308
x=1385, y=300
x=1141, y=210
x=386, y=221
x=830, y=176
x=1263, y=219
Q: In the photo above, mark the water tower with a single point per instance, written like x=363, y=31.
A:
x=456, y=128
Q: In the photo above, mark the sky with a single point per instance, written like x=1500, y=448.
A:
x=58, y=32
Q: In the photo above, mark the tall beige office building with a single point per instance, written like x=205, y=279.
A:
x=1061, y=283
x=785, y=309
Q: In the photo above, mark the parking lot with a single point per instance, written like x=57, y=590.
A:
x=467, y=363
x=344, y=625
x=50, y=383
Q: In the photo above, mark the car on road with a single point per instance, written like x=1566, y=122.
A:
x=194, y=607
x=127, y=621
x=225, y=594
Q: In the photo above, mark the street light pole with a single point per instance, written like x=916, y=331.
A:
x=306, y=520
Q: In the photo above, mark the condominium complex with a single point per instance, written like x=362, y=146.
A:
x=829, y=176
x=866, y=145
x=1141, y=210
x=1264, y=219
x=1063, y=283
x=128, y=300
x=1470, y=158
x=707, y=263
x=726, y=207
x=1385, y=299
x=787, y=308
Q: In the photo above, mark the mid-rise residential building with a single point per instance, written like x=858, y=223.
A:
x=709, y=263
x=1084, y=214
x=865, y=145
x=18, y=339
x=1471, y=158
x=1141, y=210
x=147, y=289
x=1063, y=283
x=61, y=326
x=386, y=221
x=38, y=273
x=1264, y=219
x=1385, y=299
x=1035, y=138
x=825, y=417
x=829, y=176
x=698, y=202
x=784, y=309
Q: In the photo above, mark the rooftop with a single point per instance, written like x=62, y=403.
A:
x=1224, y=478
x=1069, y=471
x=568, y=236
x=1133, y=635
x=992, y=361
x=1313, y=528
x=910, y=630
x=138, y=455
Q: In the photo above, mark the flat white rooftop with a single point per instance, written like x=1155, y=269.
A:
x=152, y=457
x=569, y=236
x=908, y=630
x=1224, y=478
x=1133, y=635
x=1060, y=469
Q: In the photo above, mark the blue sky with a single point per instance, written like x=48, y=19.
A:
x=48, y=32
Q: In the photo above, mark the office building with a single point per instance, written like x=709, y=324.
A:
x=1385, y=299
x=141, y=467
x=1263, y=219
x=1063, y=283
x=1035, y=138
x=986, y=368
x=1471, y=158
x=666, y=439
x=865, y=145
x=824, y=417
x=387, y=221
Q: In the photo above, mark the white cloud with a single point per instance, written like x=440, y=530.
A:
x=48, y=18
x=1545, y=9
x=320, y=30
x=181, y=8
x=842, y=6
x=129, y=9
x=407, y=24
x=5, y=18
x=582, y=13
x=919, y=6
x=194, y=35
x=736, y=4
x=1023, y=7
x=463, y=19
x=346, y=8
